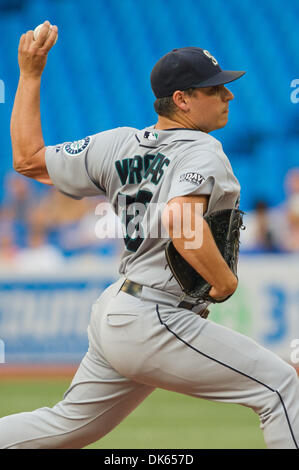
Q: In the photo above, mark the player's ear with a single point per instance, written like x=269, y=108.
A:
x=180, y=99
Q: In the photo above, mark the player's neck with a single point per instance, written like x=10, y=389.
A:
x=174, y=123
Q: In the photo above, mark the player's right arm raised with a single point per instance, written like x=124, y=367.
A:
x=26, y=132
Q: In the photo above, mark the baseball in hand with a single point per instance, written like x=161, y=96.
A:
x=37, y=30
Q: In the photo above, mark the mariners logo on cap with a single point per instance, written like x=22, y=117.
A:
x=76, y=147
x=215, y=62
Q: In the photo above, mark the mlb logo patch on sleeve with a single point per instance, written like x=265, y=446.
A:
x=77, y=147
x=151, y=135
x=192, y=177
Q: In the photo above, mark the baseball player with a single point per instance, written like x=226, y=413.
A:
x=144, y=331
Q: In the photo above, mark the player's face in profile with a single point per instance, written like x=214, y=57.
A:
x=210, y=107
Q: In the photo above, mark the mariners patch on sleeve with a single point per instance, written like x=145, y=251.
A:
x=77, y=147
x=192, y=177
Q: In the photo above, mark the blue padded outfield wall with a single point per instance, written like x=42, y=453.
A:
x=97, y=76
x=45, y=321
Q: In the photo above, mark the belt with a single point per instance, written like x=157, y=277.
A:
x=135, y=289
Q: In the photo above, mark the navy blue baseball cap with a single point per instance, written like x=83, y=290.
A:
x=188, y=67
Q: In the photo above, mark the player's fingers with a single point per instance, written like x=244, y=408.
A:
x=28, y=39
x=43, y=34
x=51, y=39
x=22, y=41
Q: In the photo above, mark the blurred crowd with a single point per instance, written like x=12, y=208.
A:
x=274, y=229
x=43, y=230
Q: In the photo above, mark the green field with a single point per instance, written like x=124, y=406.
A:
x=164, y=420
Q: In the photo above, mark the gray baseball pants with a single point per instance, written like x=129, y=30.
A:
x=136, y=345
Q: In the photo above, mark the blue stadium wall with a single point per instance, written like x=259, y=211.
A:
x=97, y=76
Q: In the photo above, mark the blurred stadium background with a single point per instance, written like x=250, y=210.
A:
x=53, y=263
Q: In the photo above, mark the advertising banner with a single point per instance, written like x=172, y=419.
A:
x=44, y=319
x=266, y=304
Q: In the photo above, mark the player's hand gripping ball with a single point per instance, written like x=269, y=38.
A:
x=37, y=31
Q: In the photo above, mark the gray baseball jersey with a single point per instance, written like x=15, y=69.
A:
x=137, y=344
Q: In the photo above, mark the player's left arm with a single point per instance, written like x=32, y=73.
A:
x=26, y=132
x=207, y=259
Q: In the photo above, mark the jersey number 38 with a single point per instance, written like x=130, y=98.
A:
x=133, y=211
